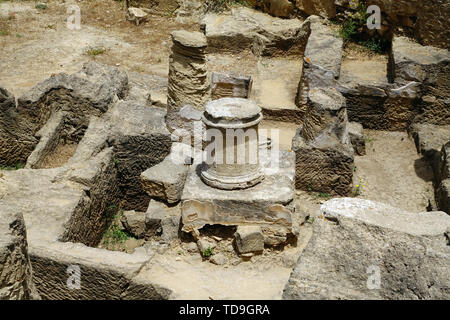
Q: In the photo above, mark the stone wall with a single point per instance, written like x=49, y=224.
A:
x=16, y=279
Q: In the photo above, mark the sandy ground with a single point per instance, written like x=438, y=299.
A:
x=36, y=43
x=393, y=172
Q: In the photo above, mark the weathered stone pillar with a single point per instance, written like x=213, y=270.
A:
x=232, y=155
x=323, y=151
x=188, y=77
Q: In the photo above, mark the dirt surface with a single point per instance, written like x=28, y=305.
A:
x=393, y=172
x=59, y=156
x=36, y=43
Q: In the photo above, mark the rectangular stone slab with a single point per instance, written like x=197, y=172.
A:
x=269, y=203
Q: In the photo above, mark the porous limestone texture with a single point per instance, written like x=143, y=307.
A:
x=165, y=181
x=324, y=154
x=429, y=66
x=188, y=76
x=321, y=62
x=245, y=28
x=16, y=276
x=268, y=204
x=361, y=249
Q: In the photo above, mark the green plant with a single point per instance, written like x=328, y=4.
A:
x=41, y=6
x=16, y=166
x=115, y=235
x=4, y=32
x=348, y=30
x=95, y=51
x=323, y=195
x=375, y=45
x=207, y=252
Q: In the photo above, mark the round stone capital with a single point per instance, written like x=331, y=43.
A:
x=232, y=113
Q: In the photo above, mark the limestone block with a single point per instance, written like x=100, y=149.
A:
x=227, y=85
x=163, y=220
x=359, y=238
x=134, y=222
x=322, y=60
x=249, y=239
x=16, y=276
x=323, y=8
x=410, y=61
x=165, y=181
x=246, y=28
x=324, y=154
x=356, y=133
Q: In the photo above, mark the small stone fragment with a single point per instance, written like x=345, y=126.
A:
x=249, y=239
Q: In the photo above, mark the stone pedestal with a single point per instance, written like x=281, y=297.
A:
x=268, y=204
x=232, y=151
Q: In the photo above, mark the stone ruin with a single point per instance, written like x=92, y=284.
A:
x=124, y=148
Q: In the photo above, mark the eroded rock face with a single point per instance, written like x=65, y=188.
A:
x=426, y=20
x=433, y=23
x=188, y=76
x=277, y=8
x=87, y=92
x=443, y=179
x=409, y=61
x=16, y=277
x=323, y=8
x=322, y=60
x=361, y=239
x=16, y=141
x=245, y=28
x=140, y=140
x=165, y=181
x=324, y=154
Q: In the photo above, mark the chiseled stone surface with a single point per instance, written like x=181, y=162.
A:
x=165, y=180
x=268, y=204
x=163, y=220
x=357, y=239
x=249, y=239
x=228, y=85
x=246, y=28
x=16, y=276
x=324, y=154
x=356, y=133
x=322, y=60
x=410, y=61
